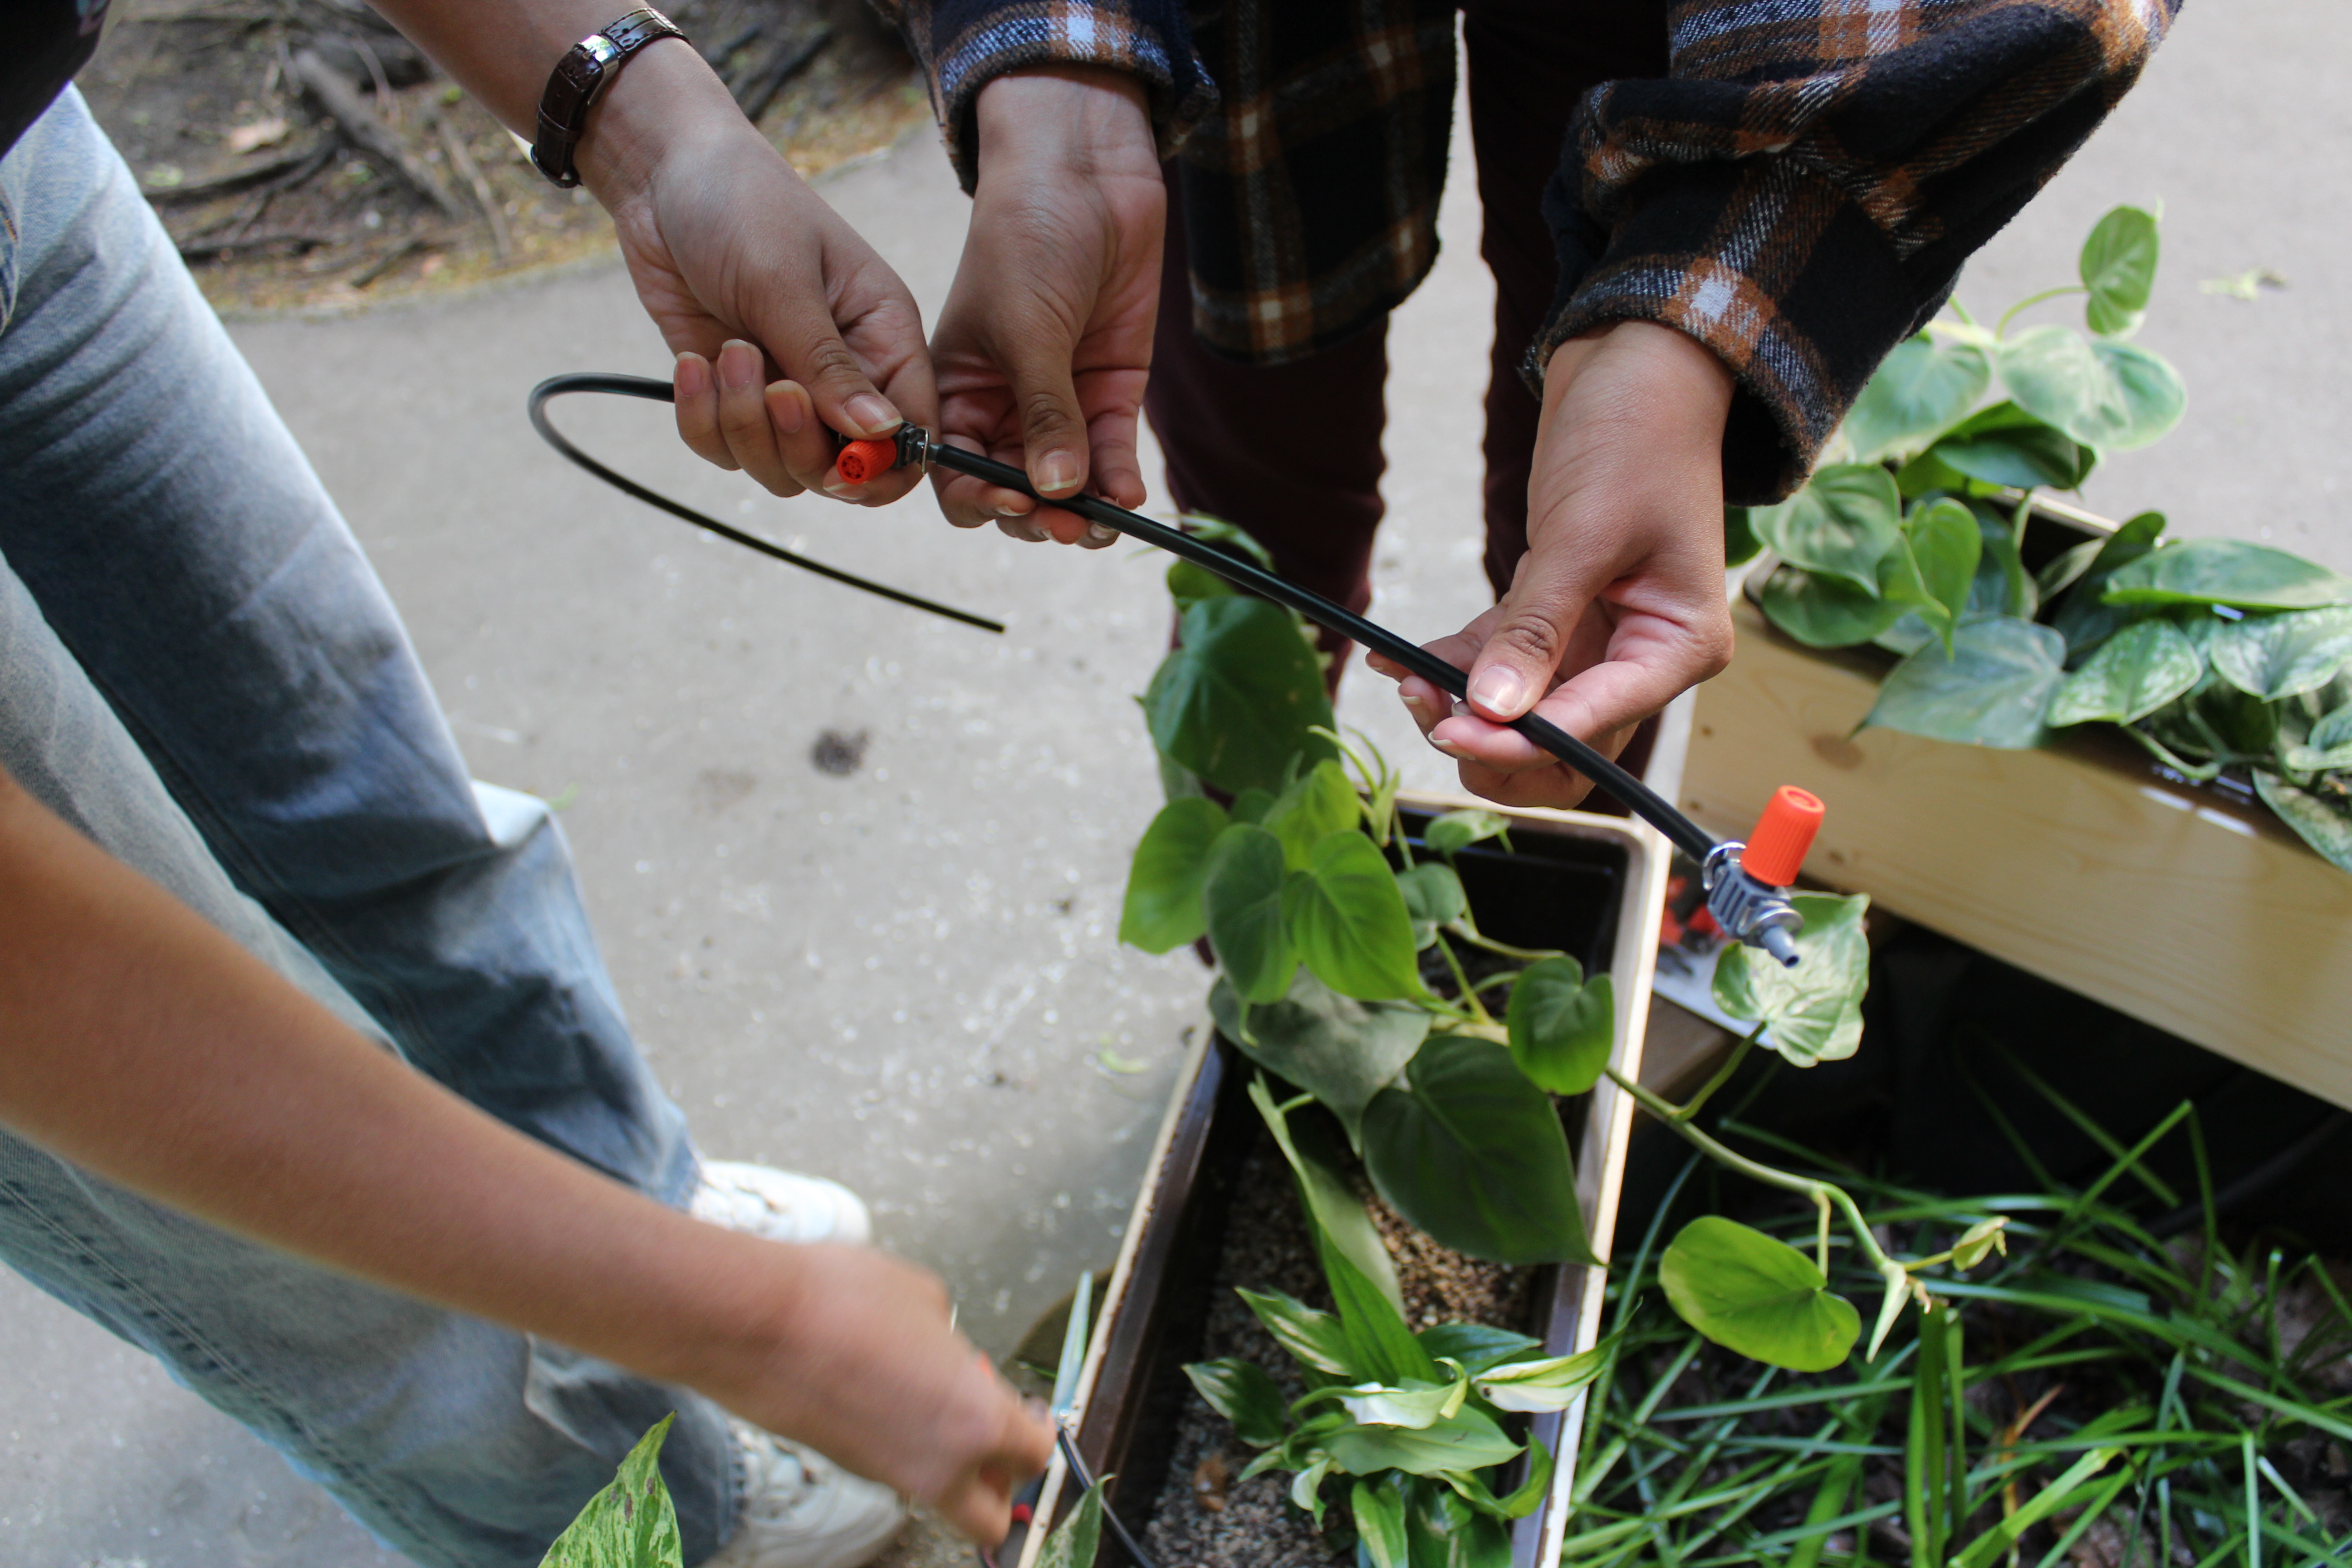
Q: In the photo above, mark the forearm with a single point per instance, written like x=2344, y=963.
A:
x=139, y=1042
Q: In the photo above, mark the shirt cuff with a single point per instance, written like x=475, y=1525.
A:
x=1777, y=272
x=1157, y=48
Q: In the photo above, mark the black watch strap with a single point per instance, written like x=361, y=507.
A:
x=583, y=72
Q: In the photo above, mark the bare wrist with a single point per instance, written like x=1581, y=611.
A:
x=1088, y=119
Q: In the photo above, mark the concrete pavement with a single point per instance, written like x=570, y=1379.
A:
x=907, y=975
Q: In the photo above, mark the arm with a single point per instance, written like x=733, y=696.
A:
x=1058, y=128
x=147, y=1047
x=1791, y=203
x=726, y=245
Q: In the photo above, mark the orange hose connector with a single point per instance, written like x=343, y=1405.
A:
x=1784, y=834
x=862, y=461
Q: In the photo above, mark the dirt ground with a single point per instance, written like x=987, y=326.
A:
x=278, y=207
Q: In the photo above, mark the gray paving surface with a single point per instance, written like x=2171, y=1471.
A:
x=906, y=977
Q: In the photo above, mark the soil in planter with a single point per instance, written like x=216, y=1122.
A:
x=1206, y=1518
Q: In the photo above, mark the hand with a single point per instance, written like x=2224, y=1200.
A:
x=1618, y=605
x=737, y=261
x=865, y=1367
x=1046, y=337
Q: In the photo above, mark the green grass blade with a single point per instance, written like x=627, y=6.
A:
x=2001, y=1537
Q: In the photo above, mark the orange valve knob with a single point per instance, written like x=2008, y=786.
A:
x=1776, y=849
x=862, y=461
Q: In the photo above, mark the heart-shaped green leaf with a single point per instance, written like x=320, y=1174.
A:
x=1433, y=896
x=1239, y=698
x=1189, y=585
x=631, y=1523
x=1321, y=802
x=2327, y=747
x=1922, y=388
x=1458, y=830
x=1945, y=545
x=1243, y=1395
x=1827, y=612
x=1561, y=1028
x=1244, y=903
x=1163, y=910
x=1838, y=526
x=2106, y=394
x=2227, y=572
x=1813, y=1012
x=2135, y=672
x=1740, y=544
x=1990, y=690
x=2007, y=445
x=2119, y=267
x=1758, y=1296
x=1468, y=1149
x=1338, y=1049
x=2283, y=653
x=2083, y=617
x=1347, y=917
x=2323, y=821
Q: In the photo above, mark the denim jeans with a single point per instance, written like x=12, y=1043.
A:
x=199, y=670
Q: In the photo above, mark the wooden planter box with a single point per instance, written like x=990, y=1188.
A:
x=2188, y=906
x=1591, y=885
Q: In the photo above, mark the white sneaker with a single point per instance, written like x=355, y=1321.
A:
x=778, y=1204
x=801, y=1511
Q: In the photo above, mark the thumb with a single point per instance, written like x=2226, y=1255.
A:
x=1515, y=665
x=1052, y=430
x=810, y=349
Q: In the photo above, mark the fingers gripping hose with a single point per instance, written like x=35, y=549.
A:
x=1749, y=907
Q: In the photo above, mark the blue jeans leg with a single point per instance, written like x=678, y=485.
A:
x=184, y=551
x=199, y=671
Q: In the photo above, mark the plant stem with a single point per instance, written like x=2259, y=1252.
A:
x=1475, y=938
x=2002, y=325
x=1824, y=1194
x=1722, y=1075
x=1462, y=981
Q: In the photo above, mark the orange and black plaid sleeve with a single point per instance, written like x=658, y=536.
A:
x=1800, y=193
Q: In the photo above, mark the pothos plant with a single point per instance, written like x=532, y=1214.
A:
x=1345, y=954
x=2212, y=653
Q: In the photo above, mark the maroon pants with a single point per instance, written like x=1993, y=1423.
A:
x=1227, y=428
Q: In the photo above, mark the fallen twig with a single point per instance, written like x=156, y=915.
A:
x=230, y=245
x=369, y=131
x=296, y=164
x=387, y=261
x=462, y=160
x=761, y=84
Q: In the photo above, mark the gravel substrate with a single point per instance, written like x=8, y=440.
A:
x=1201, y=1518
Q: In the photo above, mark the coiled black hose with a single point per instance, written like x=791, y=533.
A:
x=1638, y=797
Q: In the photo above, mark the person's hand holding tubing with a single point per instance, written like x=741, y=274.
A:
x=787, y=326
x=1618, y=605
x=1045, y=341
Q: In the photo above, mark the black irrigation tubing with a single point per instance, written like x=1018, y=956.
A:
x=660, y=392
x=1086, y=1483
x=1638, y=797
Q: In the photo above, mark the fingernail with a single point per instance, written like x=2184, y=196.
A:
x=739, y=366
x=693, y=376
x=1450, y=749
x=1059, y=471
x=1027, y=531
x=1414, y=701
x=1497, y=689
x=837, y=485
x=1101, y=533
x=871, y=416
x=785, y=409
x=1015, y=509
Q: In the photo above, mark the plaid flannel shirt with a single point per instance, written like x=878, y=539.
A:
x=1798, y=193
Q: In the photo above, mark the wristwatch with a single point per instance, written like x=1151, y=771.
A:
x=583, y=72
